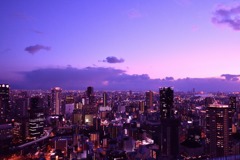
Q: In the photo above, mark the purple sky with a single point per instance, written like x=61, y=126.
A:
x=120, y=44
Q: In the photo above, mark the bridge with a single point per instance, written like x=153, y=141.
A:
x=47, y=134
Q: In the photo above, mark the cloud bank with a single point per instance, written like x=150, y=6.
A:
x=231, y=77
x=36, y=48
x=113, y=59
x=228, y=15
x=117, y=79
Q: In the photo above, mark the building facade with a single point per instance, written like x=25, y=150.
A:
x=36, y=117
x=5, y=109
x=166, y=102
x=149, y=99
x=56, y=101
x=219, y=130
x=169, y=137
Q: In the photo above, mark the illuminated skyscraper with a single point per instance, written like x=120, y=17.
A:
x=219, y=130
x=166, y=102
x=56, y=101
x=149, y=99
x=36, y=117
x=4, y=102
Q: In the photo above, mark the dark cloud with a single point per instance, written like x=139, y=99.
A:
x=113, y=59
x=115, y=79
x=36, y=48
x=169, y=78
x=69, y=77
x=229, y=16
x=231, y=77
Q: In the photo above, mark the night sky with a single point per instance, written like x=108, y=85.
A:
x=120, y=44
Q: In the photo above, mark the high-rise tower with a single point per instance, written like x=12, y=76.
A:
x=105, y=98
x=169, y=138
x=166, y=102
x=4, y=102
x=233, y=102
x=56, y=101
x=149, y=99
x=36, y=117
x=90, y=95
x=219, y=130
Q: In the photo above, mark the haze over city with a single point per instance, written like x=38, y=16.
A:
x=118, y=45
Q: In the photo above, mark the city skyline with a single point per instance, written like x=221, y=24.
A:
x=138, y=45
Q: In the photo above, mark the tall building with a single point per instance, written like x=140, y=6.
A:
x=5, y=109
x=166, y=102
x=141, y=106
x=169, y=137
x=105, y=99
x=36, y=117
x=149, y=99
x=90, y=95
x=69, y=107
x=235, y=113
x=219, y=130
x=209, y=101
x=233, y=102
x=21, y=105
x=56, y=101
x=89, y=91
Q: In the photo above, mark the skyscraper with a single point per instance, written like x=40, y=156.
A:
x=219, y=130
x=166, y=102
x=169, y=138
x=4, y=102
x=235, y=113
x=36, y=117
x=56, y=101
x=149, y=99
x=233, y=102
x=90, y=95
x=89, y=91
x=105, y=98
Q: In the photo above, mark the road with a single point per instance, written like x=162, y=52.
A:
x=47, y=134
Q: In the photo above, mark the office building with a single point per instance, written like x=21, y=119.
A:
x=219, y=130
x=141, y=106
x=5, y=109
x=149, y=99
x=233, y=102
x=6, y=136
x=21, y=105
x=56, y=101
x=169, y=137
x=69, y=107
x=36, y=117
x=166, y=102
x=90, y=95
x=105, y=99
